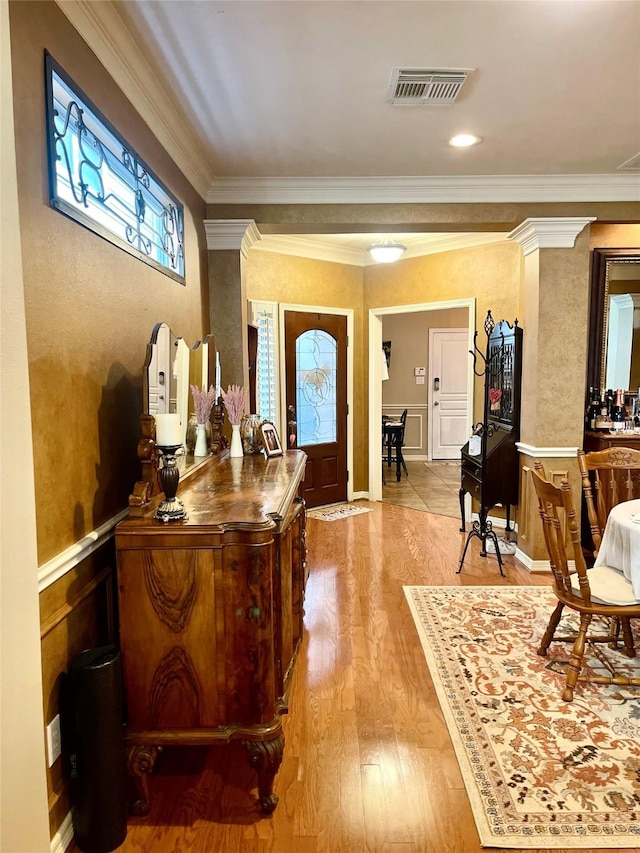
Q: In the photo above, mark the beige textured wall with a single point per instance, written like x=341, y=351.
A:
x=490, y=274
x=90, y=306
x=612, y=236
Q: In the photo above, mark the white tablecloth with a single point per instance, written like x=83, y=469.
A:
x=620, y=546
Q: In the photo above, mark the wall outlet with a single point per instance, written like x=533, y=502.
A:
x=54, y=744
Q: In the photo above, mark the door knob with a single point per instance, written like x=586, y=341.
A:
x=436, y=403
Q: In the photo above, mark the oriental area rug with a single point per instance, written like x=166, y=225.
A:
x=539, y=772
x=336, y=512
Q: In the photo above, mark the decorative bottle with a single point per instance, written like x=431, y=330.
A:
x=593, y=409
x=618, y=412
x=603, y=421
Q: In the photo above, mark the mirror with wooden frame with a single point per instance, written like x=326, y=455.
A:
x=614, y=322
x=171, y=366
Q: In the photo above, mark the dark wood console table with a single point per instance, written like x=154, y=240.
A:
x=601, y=439
x=211, y=614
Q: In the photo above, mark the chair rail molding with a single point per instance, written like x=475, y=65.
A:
x=54, y=569
x=546, y=452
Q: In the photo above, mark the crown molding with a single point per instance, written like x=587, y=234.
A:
x=306, y=247
x=553, y=232
x=324, y=250
x=231, y=234
x=104, y=31
x=434, y=189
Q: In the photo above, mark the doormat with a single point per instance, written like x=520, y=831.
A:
x=539, y=772
x=336, y=511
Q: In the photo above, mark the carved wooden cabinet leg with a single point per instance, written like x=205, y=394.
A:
x=140, y=761
x=265, y=758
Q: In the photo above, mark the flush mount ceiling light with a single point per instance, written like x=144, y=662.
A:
x=386, y=252
x=464, y=140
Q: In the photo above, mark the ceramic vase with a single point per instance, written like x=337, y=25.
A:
x=201, y=440
x=236, y=441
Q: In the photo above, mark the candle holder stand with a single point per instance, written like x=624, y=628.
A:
x=171, y=508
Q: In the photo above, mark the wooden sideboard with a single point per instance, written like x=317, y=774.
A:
x=211, y=613
x=602, y=439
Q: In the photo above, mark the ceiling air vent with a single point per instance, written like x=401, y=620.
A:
x=426, y=86
x=632, y=165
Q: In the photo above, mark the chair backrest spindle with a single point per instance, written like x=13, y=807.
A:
x=608, y=477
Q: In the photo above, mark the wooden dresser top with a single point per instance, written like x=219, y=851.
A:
x=224, y=492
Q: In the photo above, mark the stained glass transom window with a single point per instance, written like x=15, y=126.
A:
x=98, y=179
x=316, y=381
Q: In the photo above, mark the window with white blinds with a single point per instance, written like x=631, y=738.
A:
x=265, y=317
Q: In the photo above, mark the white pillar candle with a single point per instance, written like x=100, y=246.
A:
x=168, y=430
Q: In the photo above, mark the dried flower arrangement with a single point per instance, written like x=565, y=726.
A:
x=233, y=399
x=203, y=402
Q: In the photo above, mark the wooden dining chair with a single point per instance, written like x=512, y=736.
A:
x=601, y=592
x=608, y=477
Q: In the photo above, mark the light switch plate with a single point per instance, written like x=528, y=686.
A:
x=54, y=743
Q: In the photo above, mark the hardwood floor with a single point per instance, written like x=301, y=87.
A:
x=368, y=765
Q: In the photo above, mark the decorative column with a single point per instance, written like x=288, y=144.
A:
x=228, y=242
x=554, y=314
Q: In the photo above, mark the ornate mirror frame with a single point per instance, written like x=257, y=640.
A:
x=601, y=259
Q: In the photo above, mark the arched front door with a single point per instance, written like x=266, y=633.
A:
x=316, y=382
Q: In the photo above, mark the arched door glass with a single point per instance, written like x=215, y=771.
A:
x=316, y=380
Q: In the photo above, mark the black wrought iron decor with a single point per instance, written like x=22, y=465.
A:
x=490, y=474
x=96, y=178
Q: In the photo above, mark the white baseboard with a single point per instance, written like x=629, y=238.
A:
x=496, y=521
x=64, y=836
x=360, y=496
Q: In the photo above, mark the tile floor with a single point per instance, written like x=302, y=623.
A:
x=430, y=487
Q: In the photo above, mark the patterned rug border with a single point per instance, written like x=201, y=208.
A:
x=335, y=512
x=487, y=837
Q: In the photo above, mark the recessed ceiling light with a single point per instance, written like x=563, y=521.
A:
x=464, y=140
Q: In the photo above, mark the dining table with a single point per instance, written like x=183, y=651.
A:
x=620, y=546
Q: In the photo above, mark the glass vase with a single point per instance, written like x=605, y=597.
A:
x=250, y=433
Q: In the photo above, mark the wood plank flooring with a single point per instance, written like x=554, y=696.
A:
x=368, y=764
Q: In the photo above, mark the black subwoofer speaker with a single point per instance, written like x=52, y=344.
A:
x=91, y=713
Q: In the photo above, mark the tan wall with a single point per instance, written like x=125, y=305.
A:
x=90, y=309
x=490, y=274
x=90, y=306
x=301, y=281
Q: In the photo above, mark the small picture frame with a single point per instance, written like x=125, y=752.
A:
x=270, y=439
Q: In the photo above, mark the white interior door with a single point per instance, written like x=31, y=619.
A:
x=448, y=397
x=159, y=373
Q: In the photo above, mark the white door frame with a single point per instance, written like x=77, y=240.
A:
x=430, y=380
x=375, y=377
x=321, y=309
